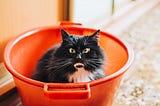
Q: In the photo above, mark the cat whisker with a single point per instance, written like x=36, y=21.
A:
x=92, y=66
x=60, y=60
x=95, y=62
x=58, y=65
x=57, y=68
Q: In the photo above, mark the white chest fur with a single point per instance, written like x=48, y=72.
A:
x=81, y=75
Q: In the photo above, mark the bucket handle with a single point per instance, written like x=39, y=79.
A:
x=65, y=91
x=63, y=23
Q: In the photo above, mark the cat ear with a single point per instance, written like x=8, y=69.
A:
x=95, y=36
x=64, y=34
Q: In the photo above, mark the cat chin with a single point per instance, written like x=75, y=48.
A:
x=80, y=75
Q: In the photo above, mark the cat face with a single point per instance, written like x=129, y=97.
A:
x=82, y=51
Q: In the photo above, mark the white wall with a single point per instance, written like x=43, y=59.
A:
x=86, y=11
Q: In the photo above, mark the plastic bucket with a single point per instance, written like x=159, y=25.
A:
x=22, y=53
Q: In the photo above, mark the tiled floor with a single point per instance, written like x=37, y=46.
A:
x=11, y=99
x=141, y=85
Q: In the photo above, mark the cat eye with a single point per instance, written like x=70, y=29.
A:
x=71, y=50
x=86, y=50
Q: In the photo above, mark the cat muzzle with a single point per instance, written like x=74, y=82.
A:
x=78, y=65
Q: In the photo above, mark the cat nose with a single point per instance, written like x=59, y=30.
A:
x=79, y=56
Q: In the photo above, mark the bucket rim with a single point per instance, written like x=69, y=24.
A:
x=14, y=73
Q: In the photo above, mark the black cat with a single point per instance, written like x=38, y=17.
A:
x=76, y=59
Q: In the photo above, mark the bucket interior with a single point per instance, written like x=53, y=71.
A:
x=30, y=46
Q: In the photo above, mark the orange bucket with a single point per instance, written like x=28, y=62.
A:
x=23, y=52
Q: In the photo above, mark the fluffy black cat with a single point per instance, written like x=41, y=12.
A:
x=76, y=59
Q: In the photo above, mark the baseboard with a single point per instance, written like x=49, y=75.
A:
x=118, y=23
x=6, y=80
